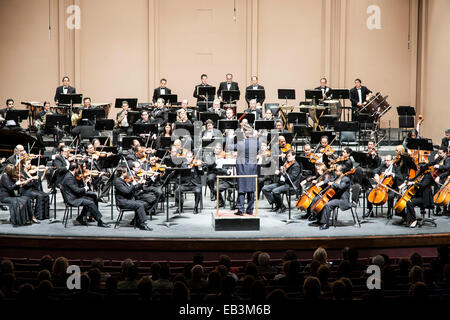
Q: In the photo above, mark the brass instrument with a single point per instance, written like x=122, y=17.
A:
x=119, y=120
x=76, y=117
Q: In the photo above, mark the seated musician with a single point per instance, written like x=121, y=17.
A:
x=217, y=109
x=441, y=166
x=445, y=143
x=43, y=128
x=412, y=134
x=406, y=163
x=423, y=198
x=229, y=114
x=182, y=118
x=161, y=90
x=358, y=95
x=64, y=89
x=284, y=147
x=180, y=147
x=252, y=108
x=268, y=115
x=265, y=162
x=190, y=182
x=280, y=127
x=81, y=123
x=151, y=192
x=214, y=168
x=92, y=163
x=125, y=197
x=341, y=198
x=321, y=174
x=19, y=152
x=373, y=154
x=77, y=195
x=122, y=125
x=326, y=91
x=159, y=114
x=190, y=113
x=325, y=150
x=308, y=153
x=387, y=168
x=10, y=124
x=344, y=159
x=289, y=175
x=211, y=132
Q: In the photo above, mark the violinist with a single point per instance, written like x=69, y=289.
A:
x=327, y=153
x=61, y=164
x=445, y=143
x=125, y=195
x=191, y=182
x=214, y=168
x=373, y=153
x=19, y=152
x=78, y=196
x=387, y=168
x=284, y=147
x=266, y=165
x=344, y=159
x=138, y=156
x=20, y=209
x=341, y=199
x=423, y=198
x=289, y=175
x=152, y=190
x=307, y=152
x=33, y=189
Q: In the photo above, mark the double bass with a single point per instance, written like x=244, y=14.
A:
x=328, y=194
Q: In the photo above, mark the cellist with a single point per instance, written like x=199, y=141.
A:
x=442, y=168
x=423, y=198
x=341, y=198
x=387, y=168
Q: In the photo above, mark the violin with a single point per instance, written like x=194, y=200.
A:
x=327, y=150
x=313, y=158
x=339, y=159
x=286, y=148
x=34, y=169
x=195, y=163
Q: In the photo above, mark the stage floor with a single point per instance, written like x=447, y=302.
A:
x=190, y=226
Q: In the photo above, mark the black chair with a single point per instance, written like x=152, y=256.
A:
x=120, y=216
x=67, y=209
x=355, y=192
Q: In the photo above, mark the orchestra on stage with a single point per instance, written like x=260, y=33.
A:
x=161, y=152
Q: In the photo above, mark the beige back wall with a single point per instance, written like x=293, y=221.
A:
x=124, y=47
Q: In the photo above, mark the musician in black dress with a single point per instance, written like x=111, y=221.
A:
x=33, y=190
x=77, y=196
x=20, y=210
x=341, y=199
x=125, y=197
x=161, y=90
x=64, y=89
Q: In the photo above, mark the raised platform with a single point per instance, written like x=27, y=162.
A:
x=226, y=220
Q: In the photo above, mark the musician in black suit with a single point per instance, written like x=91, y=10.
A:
x=162, y=89
x=445, y=143
x=358, y=96
x=387, y=168
x=204, y=83
x=289, y=178
x=125, y=197
x=227, y=85
x=78, y=196
x=19, y=151
x=10, y=124
x=252, y=108
x=326, y=91
x=255, y=86
x=64, y=89
x=341, y=199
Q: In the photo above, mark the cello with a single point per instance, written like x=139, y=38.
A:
x=307, y=198
x=442, y=197
x=328, y=194
x=409, y=193
x=379, y=195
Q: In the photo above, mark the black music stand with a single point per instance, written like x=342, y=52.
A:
x=228, y=124
x=206, y=93
x=306, y=165
x=327, y=121
x=211, y=143
x=127, y=141
x=209, y=115
x=302, y=131
x=132, y=103
x=341, y=94
x=111, y=162
x=286, y=94
x=317, y=135
x=249, y=116
x=169, y=98
x=264, y=124
x=69, y=99
x=102, y=139
x=300, y=118
x=144, y=105
x=406, y=117
x=133, y=116
x=165, y=142
x=174, y=173
x=17, y=115
x=231, y=95
x=314, y=95
x=257, y=94
x=419, y=144
x=145, y=128
x=104, y=125
x=56, y=121
x=171, y=117
x=93, y=114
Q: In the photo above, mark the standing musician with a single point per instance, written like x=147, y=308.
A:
x=358, y=95
x=64, y=89
x=161, y=90
x=227, y=85
x=341, y=199
x=423, y=198
x=33, y=189
x=125, y=196
x=387, y=168
x=255, y=86
x=77, y=196
x=122, y=125
x=326, y=91
x=289, y=174
x=204, y=83
x=191, y=182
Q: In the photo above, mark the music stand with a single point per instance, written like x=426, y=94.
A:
x=127, y=141
x=306, y=164
x=206, y=93
x=363, y=158
x=69, y=99
x=165, y=142
x=144, y=105
x=209, y=115
x=174, y=173
x=257, y=94
x=186, y=126
x=302, y=131
x=286, y=94
x=231, y=95
x=56, y=121
x=298, y=118
x=314, y=95
x=17, y=115
x=249, y=116
x=264, y=124
x=341, y=94
x=104, y=125
x=317, y=135
x=228, y=124
x=169, y=98
x=145, y=128
x=327, y=121
x=133, y=116
x=93, y=114
x=419, y=144
x=171, y=117
x=132, y=103
x=346, y=126
x=111, y=162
